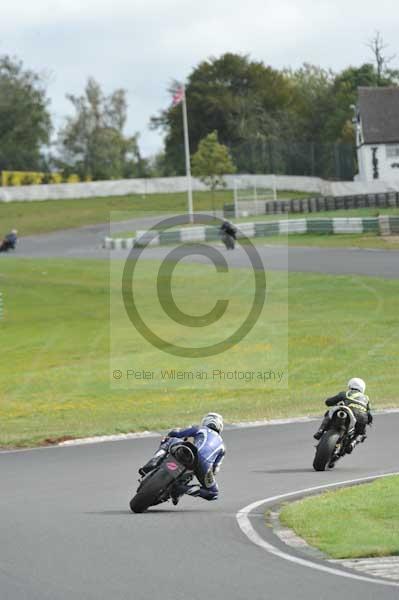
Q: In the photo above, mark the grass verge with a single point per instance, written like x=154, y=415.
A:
x=337, y=240
x=354, y=522
x=52, y=215
x=54, y=372
x=353, y=212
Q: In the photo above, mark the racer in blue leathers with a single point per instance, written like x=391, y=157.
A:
x=209, y=443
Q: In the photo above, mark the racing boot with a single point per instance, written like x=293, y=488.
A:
x=322, y=428
x=359, y=439
x=180, y=489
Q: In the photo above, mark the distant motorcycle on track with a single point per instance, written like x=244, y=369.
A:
x=228, y=241
x=6, y=246
x=9, y=242
x=336, y=440
x=228, y=233
x=161, y=484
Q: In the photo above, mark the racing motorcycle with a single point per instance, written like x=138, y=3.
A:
x=5, y=246
x=162, y=484
x=335, y=441
x=228, y=240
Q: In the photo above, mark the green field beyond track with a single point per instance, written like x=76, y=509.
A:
x=53, y=215
x=54, y=371
x=353, y=522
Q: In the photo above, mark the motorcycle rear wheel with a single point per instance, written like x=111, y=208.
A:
x=150, y=491
x=140, y=502
x=325, y=450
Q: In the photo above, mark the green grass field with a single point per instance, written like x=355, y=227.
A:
x=54, y=371
x=337, y=240
x=52, y=215
x=354, y=522
x=354, y=212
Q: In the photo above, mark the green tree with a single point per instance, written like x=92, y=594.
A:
x=312, y=89
x=211, y=162
x=93, y=143
x=240, y=98
x=323, y=113
x=25, y=124
x=291, y=121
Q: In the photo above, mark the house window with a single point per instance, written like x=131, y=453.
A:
x=392, y=151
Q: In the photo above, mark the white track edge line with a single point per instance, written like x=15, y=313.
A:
x=243, y=520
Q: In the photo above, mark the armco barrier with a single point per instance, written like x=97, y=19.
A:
x=383, y=225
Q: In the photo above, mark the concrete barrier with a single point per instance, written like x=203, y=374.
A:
x=171, y=185
x=383, y=225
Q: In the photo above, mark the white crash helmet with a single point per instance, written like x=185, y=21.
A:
x=357, y=384
x=213, y=421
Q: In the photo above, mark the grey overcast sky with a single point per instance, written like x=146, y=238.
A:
x=142, y=45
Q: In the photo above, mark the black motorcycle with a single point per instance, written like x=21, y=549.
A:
x=228, y=240
x=335, y=441
x=162, y=484
x=5, y=246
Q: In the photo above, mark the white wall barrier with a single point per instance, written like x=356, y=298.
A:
x=170, y=185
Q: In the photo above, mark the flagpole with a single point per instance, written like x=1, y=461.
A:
x=187, y=153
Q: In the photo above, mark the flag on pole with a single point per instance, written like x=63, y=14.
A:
x=178, y=96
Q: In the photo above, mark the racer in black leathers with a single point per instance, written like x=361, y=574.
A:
x=359, y=404
x=228, y=229
x=9, y=242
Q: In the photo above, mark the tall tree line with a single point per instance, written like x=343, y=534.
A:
x=91, y=144
x=271, y=120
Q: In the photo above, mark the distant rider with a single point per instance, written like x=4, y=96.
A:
x=10, y=241
x=359, y=403
x=229, y=229
x=209, y=443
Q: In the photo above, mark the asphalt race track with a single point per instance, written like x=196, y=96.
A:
x=86, y=242
x=67, y=532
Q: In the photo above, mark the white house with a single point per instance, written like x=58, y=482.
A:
x=377, y=133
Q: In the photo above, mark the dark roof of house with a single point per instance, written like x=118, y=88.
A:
x=379, y=112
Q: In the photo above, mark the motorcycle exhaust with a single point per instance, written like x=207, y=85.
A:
x=184, y=454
